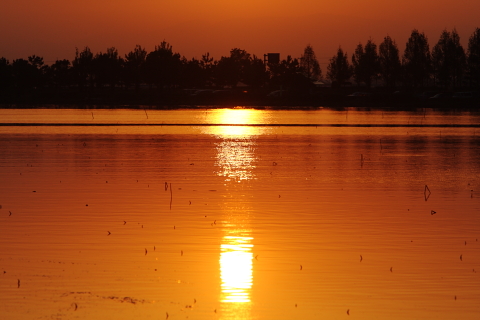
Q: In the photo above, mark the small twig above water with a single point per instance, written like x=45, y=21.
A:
x=427, y=195
x=171, y=196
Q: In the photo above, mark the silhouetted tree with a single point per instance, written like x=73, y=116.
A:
x=255, y=73
x=416, y=59
x=460, y=59
x=389, y=60
x=240, y=56
x=339, y=69
x=309, y=64
x=230, y=70
x=365, y=63
x=22, y=74
x=38, y=70
x=60, y=73
x=192, y=75
x=163, y=66
x=473, y=61
x=36, y=62
x=225, y=73
x=207, y=63
x=285, y=73
x=440, y=62
x=358, y=71
x=135, y=66
x=107, y=68
x=28, y=74
x=6, y=79
x=448, y=59
x=83, y=67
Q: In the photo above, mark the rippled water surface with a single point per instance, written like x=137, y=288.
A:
x=239, y=214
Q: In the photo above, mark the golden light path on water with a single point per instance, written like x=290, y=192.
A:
x=236, y=162
x=236, y=268
x=236, y=149
x=236, y=159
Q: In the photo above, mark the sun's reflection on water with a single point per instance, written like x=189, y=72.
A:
x=236, y=161
x=236, y=268
x=236, y=149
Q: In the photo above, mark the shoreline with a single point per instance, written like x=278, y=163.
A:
x=108, y=98
x=340, y=99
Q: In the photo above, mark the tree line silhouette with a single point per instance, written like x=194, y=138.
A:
x=163, y=72
x=446, y=66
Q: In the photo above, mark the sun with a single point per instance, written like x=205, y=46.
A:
x=235, y=122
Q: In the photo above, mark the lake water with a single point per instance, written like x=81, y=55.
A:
x=239, y=214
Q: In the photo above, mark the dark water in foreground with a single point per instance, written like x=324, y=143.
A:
x=239, y=222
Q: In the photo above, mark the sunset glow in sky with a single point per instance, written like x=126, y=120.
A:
x=53, y=28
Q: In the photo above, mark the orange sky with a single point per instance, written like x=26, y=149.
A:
x=53, y=28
